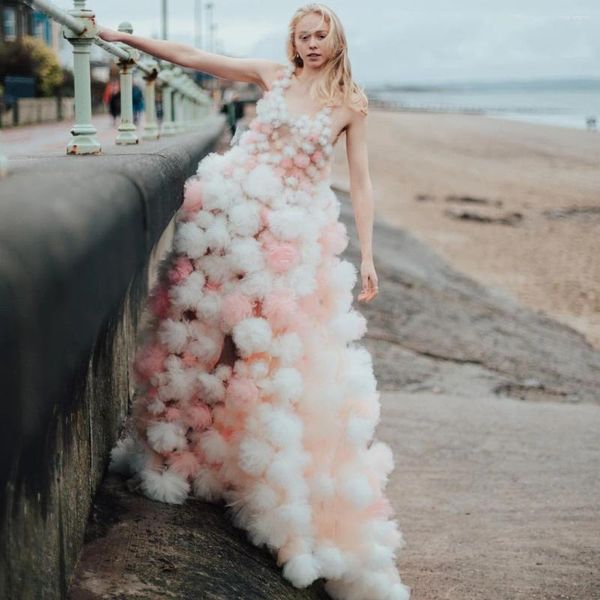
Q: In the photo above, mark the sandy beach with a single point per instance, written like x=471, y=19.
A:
x=516, y=206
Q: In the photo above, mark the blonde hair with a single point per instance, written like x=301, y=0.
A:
x=336, y=85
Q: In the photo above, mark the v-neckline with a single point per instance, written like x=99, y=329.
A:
x=288, y=77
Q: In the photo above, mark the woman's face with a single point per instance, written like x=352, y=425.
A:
x=309, y=40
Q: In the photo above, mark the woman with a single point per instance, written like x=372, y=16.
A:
x=251, y=385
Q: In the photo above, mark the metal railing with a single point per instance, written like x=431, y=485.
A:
x=185, y=103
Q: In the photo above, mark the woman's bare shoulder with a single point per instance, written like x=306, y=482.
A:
x=268, y=71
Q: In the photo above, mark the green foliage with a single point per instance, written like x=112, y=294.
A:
x=30, y=57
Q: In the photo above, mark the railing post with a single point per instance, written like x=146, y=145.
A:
x=167, y=126
x=150, y=125
x=127, y=130
x=177, y=100
x=187, y=119
x=83, y=134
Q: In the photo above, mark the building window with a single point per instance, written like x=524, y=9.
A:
x=9, y=24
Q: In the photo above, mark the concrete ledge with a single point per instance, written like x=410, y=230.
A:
x=76, y=241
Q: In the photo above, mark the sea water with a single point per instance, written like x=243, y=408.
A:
x=560, y=102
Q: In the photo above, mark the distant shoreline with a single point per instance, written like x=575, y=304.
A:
x=529, y=115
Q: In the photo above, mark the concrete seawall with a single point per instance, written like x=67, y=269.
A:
x=78, y=238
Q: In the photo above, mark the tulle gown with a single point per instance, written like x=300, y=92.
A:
x=282, y=432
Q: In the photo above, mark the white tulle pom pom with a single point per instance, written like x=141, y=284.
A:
x=343, y=275
x=214, y=446
x=210, y=164
x=212, y=388
x=126, y=457
x=356, y=489
x=295, y=515
x=359, y=430
x=245, y=255
x=188, y=293
x=348, y=326
x=331, y=561
x=289, y=223
x=244, y=218
x=322, y=486
x=257, y=284
x=287, y=384
x=215, y=267
x=282, y=428
x=166, y=437
x=172, y=334
x=287, y=347
x=189, y=239
x=262, y=497
x=164, y=486
x=262, y=183
x=217, y=234
x=252, y=334
x=255, y=455
x=301, y=570
x=207, y=485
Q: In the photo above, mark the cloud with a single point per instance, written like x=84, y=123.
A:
x=398, y=41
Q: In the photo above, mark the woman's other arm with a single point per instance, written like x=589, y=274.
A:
x=361, y=194
x=250, y=70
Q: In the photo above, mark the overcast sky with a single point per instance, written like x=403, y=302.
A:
x=402, y=41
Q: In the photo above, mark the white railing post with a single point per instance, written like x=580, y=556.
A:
x=187, y=117
x=127, y=129
x=83, y=134
x=177, y=100
x=150, y=125
x=167, y=125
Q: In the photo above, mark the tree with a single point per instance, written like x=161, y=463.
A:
x=30, y=57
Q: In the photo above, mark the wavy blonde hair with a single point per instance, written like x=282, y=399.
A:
x=336, y=85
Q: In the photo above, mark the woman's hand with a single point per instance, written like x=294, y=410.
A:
x=109, y=35
x=370, y=285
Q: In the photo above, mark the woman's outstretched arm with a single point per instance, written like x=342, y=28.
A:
x=251, y=70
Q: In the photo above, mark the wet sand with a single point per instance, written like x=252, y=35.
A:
x=515, y=206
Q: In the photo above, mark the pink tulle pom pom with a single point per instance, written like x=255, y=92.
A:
x=316, y=156
x=213, y=285
x=240, y=392
x=334, y=238
x=250, y=163
x=298, y=173
x=382, y=508
x=172, y=414
x=287, y=163
x=192, y=195
x=266, y=128
x=311, y=305
x=264, y=216
x=181, y=269
x=183, y=462
x=189, y=360
x=159, y=301
x=235, y=307
x=198, y=416
x=279, y=308
x=150, y=360
x=301, y=160
x=281, y=256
